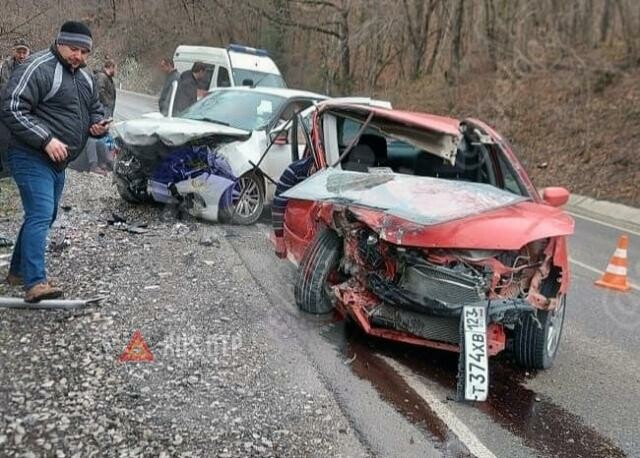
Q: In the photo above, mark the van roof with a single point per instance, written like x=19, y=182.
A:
x=238, y=57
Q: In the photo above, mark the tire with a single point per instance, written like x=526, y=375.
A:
x=319, y=261
x=130, y=179
x=253, y=201
x=536, y=345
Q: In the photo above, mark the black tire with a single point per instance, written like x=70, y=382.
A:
x=130, y=179
x=249, y=212
x=536, y=344
x=319, y=261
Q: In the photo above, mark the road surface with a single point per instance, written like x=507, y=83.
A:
x=397, y=397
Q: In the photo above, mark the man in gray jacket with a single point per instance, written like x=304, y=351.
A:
x=51, y=107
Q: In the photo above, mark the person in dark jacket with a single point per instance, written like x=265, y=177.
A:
x=106, y=87
x=51, y=107
x=19, y=53
x=171, y=75
x=187, y=93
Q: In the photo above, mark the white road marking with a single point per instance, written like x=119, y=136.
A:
x=602, y=223
x=462, y=431
x=597, y=271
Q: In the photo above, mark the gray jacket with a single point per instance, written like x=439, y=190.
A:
x=46, y=98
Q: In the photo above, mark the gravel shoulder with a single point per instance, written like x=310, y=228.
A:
x=220, y=383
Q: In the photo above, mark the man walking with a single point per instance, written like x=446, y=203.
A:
x=171, y=75
x=187, y=93
x=51, y=107
x=19, y=53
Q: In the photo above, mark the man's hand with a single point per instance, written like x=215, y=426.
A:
x=100, y=128
x=56, y=150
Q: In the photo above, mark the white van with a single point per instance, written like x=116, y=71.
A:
x=234, y=66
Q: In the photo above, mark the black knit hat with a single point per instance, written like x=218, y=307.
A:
x=75, y=34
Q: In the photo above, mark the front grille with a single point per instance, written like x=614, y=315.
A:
x=429, y=327
x=429, y=281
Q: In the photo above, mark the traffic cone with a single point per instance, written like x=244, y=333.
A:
x=615, y=277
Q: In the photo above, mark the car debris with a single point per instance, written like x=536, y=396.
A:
x=51, y=304
x=426, y=230
x=120, y=223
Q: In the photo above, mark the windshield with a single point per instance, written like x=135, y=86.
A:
x=242, y=109
x=241, y=76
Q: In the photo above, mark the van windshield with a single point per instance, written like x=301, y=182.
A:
x=242, y=108
x=241, y=76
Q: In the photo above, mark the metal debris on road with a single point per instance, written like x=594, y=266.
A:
x=52, y=304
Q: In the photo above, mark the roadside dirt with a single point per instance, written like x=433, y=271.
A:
x=576, y=127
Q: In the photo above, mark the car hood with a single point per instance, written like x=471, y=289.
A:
x=430, y=212
x=171, y=131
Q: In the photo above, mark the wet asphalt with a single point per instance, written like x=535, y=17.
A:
x=585, y=406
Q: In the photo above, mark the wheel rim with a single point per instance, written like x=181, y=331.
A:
x=555, y=328
x=246, y=197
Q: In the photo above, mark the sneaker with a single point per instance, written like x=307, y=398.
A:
x=13, y=279
x=42, y=291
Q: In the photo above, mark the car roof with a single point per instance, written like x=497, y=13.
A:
x=282, y=92
x=441, y=124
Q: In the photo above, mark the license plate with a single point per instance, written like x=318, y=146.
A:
x=476, y=359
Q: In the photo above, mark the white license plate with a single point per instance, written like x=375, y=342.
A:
x=476, y=359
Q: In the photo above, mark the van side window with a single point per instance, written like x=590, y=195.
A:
x=223, y=77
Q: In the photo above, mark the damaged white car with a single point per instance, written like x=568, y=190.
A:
x=211, y=158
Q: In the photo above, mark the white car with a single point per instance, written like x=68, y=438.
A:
x=221, y=158
x=207, y=157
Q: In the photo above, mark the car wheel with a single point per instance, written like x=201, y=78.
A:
x=537, y=340
x=319, y=263
x=245, y=201
x=129, y=178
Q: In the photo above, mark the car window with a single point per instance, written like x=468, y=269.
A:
x=511, y=181
x=243, y=109
x=223, y=77
x=244, y=77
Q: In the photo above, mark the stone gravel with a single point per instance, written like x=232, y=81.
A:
x=219, y=385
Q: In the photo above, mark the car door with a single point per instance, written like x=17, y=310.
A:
x=285, y=134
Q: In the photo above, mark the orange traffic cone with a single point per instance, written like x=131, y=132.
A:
x=615, y=277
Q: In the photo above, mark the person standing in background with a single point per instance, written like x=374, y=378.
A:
x=187, y=93
x=171, y=75
x=19, y=53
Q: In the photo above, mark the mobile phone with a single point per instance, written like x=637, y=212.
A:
x=104, y=122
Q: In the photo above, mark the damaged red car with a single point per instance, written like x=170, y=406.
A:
x=427, y=230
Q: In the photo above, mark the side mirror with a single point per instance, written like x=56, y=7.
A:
x=555, y=196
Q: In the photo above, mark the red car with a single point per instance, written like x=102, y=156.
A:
x=427, y=230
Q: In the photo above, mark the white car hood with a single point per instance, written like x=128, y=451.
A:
x=170, y=131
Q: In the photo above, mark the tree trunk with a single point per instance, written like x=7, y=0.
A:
x=605, y=21
x=456, y=44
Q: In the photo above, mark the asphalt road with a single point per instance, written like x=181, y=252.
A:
x=396, y=397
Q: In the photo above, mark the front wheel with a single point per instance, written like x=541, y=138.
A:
x=129, y=178
x=536, y=341
x=245, y=203
x=316, y=270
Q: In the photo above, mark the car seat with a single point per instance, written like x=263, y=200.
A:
x=371, y=151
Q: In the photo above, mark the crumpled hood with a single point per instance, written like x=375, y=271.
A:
x=430, y=212
x=171, y=131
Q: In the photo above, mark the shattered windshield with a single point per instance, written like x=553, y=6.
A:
x=423, y=200
x=242, y=109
